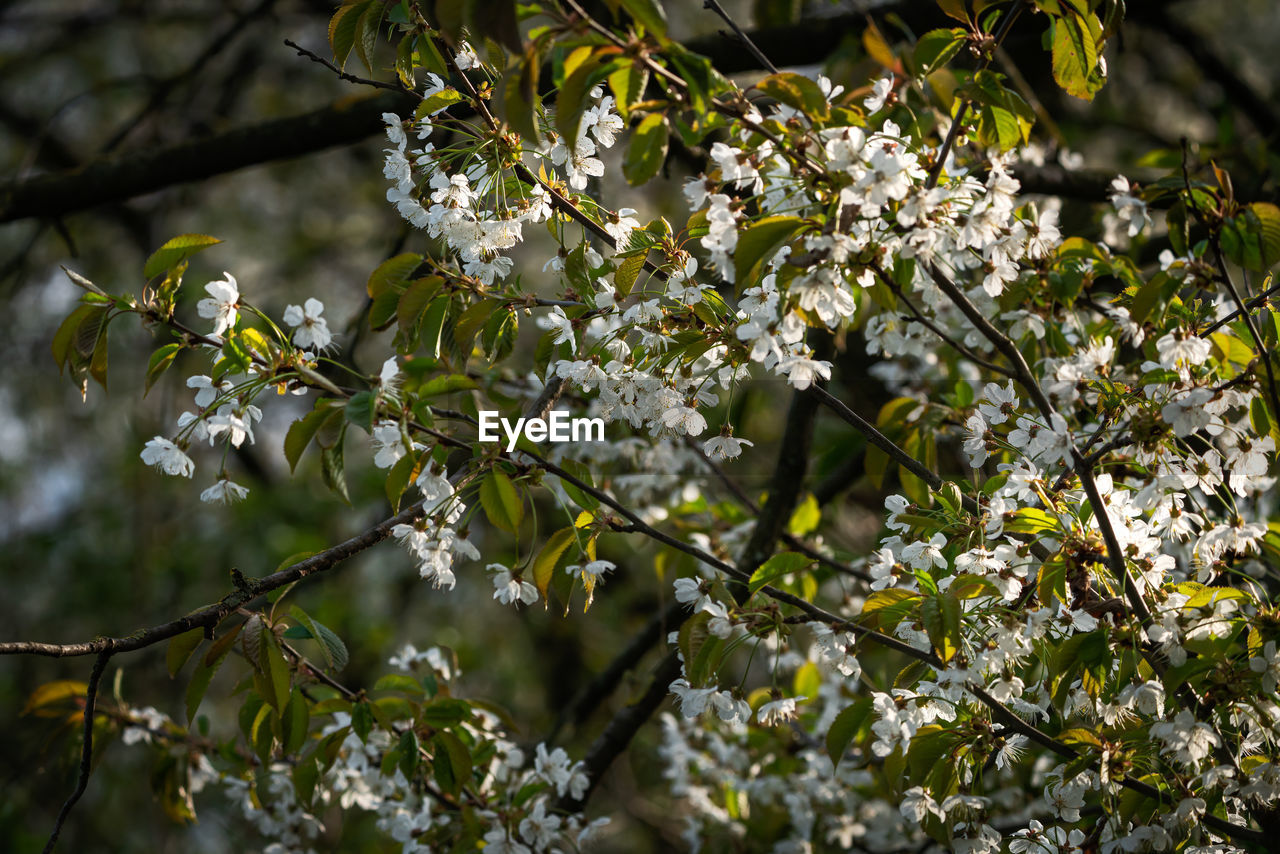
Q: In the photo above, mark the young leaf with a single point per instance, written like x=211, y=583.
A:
x=798, y=92
x=180, y=649
x=159, y=362
x=205, y=671
x=647, y=149
x=625, y=276
x=544, y=565
x=175, y=251
x=361, y=409
x=845, y=726
x=650, y=15
x=501, y=502
x=1075, y=53
x=761, y=240
x=783, y=563
x=294, y=722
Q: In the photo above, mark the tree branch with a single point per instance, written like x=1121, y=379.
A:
x=211, y=615
x=117, y=178
x=599, y=688
x=86, y=752
x=714, y=6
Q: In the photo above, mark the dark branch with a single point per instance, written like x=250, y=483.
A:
x=118, y=178
x=212, y=615
x=599, y=688
x=750, y=45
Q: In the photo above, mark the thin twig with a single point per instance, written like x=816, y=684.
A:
x=793, y=542
x=1216, y=242
x=86, y=753
x=935, y=173
x=1255, y=303
x=350, y=78
x=714, y=6
x=937, y=330
x=1264, y=355
x=212, y=615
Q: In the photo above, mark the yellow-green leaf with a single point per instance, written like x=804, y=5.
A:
x=501, y=502
x=544, y=565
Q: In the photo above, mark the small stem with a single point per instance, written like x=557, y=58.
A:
x=350, y=78
x=86, y=753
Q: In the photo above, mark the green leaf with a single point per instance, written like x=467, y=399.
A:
x=159, y=362
x=306, y=773
x=701, y=78
x=649, y=14
x=1268, y=216
x=68, y=339
x=414, y=301
x=783, y=563
x=433, y=325
x=806, y=517
x=499, y=336
x=366, y=35
x=445, y=712
x=410, y=757
x=1259, y=417
x=1032, y=520
x=628, y=84
x=928, y=747
x=501, y=502
x=471, y=321
x=519, y=99
x=333, y=469
x=360, y=410
x=1252, y=238
x=452, y=765
x=571, y=101
x=647, y=150
x=1075, y=54
x=1147, y=296
x=361, y=720
x=399, y=477
x=393, y=274
x=175, y=251
x=884, y=609
x=295, y=722
x=401, y=682
x=180, y=649
x=302, y=431
x=936, y=48
x=941, y=617
x=205, y=671
x=342, y=30
x=544, y=565
x=761, y=240
x=798, y=92
x=334, y=651
x=627, y=273
x=807, y=681
x=274, y=671
x=845, y=727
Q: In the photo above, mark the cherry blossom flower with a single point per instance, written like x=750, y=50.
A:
x=220, y=306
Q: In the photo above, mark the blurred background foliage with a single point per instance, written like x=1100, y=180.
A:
x=92, y=542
